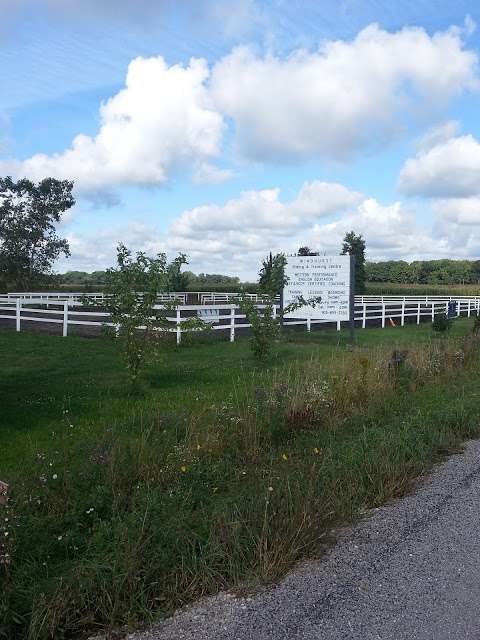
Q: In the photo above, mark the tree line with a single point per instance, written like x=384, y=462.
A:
x=424, y=271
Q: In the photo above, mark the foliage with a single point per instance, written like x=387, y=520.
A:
x=178, y=280
x=131, y=291
x=476, y=324
x=109, y=519
x=442, y=323
x=264, y=320
x=306, y=251
x=354, y=245
x=29, y=244
x=272, y=277
x=434, y=272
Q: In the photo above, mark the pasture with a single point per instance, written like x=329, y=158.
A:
x=218, y=474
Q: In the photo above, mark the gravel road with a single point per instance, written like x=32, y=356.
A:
x=410, y=570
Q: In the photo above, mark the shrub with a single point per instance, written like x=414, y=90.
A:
x=442, y=323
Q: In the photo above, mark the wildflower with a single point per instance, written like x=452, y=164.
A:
x=215, y=489
x=284, y=456
x=54, y=476
x=270, y=489
x=183, y=468
x=59, y=538
x=316, y=450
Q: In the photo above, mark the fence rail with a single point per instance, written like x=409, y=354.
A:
x=228, y=317
x=208, y=297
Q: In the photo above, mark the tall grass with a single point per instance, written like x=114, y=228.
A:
x=105, y=530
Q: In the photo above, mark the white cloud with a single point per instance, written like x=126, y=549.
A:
x=162, y=121
x=234, y=237
x=450, y=168
x=389, y=230
x=262, y=211
x=346, y=96
x=461, y=211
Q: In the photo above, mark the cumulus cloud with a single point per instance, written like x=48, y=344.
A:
x=161, y=122
x=461, y=211
x=448, y=169
x=232, y=238
x=264, y=211
x=390, y=230
x=346, y=96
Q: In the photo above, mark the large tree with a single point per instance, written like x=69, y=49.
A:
x=354, y=244
x=29, y=244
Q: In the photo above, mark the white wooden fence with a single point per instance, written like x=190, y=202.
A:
x=228, y=317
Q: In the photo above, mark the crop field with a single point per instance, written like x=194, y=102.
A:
x=394, y=288
x=216, y=473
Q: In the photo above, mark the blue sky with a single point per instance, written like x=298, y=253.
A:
x=296, y=122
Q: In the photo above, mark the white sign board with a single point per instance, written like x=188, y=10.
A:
x=327, y=277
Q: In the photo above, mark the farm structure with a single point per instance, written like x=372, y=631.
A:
x=66, y=313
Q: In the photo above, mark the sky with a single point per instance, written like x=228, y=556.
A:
x=226, y=129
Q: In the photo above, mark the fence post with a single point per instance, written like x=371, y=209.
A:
x=308, y=324
x=65, y=318
x=339, y=325
x=433, y=311
x=179, y=330
x=364, y=316
x=458, y=308
x=469, y=308
x=418, y=312
x=18, y=310
x=232, y=322
x=383, y=314
x=402, y=321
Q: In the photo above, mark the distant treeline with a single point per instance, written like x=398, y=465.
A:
x=194, y=282
x=424, y=272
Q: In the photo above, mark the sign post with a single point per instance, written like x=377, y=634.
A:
x=351, y=322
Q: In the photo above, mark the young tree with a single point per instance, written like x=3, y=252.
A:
x=132, y=288
x=178, y=280
x=29, y=244
x=272, y=275
x=265, y=322
x=354, y=244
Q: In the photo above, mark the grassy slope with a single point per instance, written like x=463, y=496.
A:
x=187, y=507
x=44, y=375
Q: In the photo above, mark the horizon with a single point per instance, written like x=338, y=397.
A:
x=227, y=135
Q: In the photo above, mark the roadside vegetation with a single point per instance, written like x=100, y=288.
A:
x=222, y=473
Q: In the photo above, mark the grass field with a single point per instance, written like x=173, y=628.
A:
x=393, y=288
x=220, y=474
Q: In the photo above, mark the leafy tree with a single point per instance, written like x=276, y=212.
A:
x=272, y=277
x=29, y=244
x=354, y=244
x=132, y=288
x=178, y=280
x=306, y=251
x=264, y=320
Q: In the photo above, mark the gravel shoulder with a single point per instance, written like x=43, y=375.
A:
x=409, y=570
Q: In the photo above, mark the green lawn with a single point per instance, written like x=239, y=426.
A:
x=219, y=475
x=42, y=376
